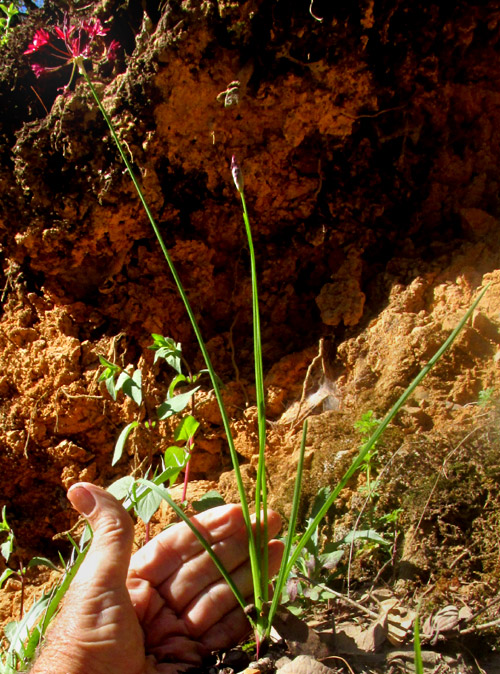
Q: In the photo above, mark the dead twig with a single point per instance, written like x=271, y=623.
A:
x=478, y=628
x=317, y=358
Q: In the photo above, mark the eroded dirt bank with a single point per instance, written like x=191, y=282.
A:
x=369, y=142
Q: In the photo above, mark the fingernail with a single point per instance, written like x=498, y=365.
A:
x=82, y=499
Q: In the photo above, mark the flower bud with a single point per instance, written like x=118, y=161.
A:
x=237, y=174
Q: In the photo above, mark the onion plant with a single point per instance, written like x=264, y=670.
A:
x=78, y=41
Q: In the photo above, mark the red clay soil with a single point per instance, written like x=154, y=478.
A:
x=369, y=138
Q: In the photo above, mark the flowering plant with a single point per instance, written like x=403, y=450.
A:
x=70, y=44
x=74, y=44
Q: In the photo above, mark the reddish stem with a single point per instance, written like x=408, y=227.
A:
x=186, y=480
x=257, y=644
x=189, y=447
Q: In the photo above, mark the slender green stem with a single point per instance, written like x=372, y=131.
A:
x=260, y=487
x=225, y=419
x=417, y=650
x=365, y=449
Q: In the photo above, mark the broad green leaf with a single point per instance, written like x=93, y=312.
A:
x=10, y=629
x=122, y=378
x=122, y=439
x=7, y=547
x=4, y=526
x=330, y=560
x=186, y=429
x=175, y=405
x=43, y=561
x=122, y=487
x=176, y=380
x=175, y=460
x=132, y=386
x=110, y=385
x=5, y=576
x=211, y=499
x=146, y=505
x=366, y=534
x=20, y=631
x=175, y=457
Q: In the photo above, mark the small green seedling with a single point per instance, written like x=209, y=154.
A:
x=367, y=425
x=139, y=497
x=23, y=636
x=485, y=397
x=116, y=379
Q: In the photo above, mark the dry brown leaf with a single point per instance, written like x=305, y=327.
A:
x=300, y=638
x=304, y=664
x=445, y=621
x=399, y=621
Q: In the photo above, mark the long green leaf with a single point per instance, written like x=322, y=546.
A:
x=175, y=404
x=292, y=524
x=260, y=576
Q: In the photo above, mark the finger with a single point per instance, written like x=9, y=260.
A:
x=108, y=559
x=200, y=571
x=217, y=600
x=233, y=627
x=170, y=550
x=179, y=648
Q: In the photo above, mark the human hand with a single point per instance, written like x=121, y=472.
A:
x=176, y=609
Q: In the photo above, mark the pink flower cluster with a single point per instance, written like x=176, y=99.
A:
x=70, y=43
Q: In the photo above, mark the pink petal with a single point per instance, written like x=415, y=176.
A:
x=40, y=38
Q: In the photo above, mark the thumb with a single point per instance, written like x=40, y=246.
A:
x=108, y=559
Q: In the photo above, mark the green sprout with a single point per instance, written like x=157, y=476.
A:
x=10, y=11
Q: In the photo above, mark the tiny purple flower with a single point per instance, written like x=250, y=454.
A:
x=237, y=174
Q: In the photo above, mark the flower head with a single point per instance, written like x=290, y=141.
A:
x=69, y=44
